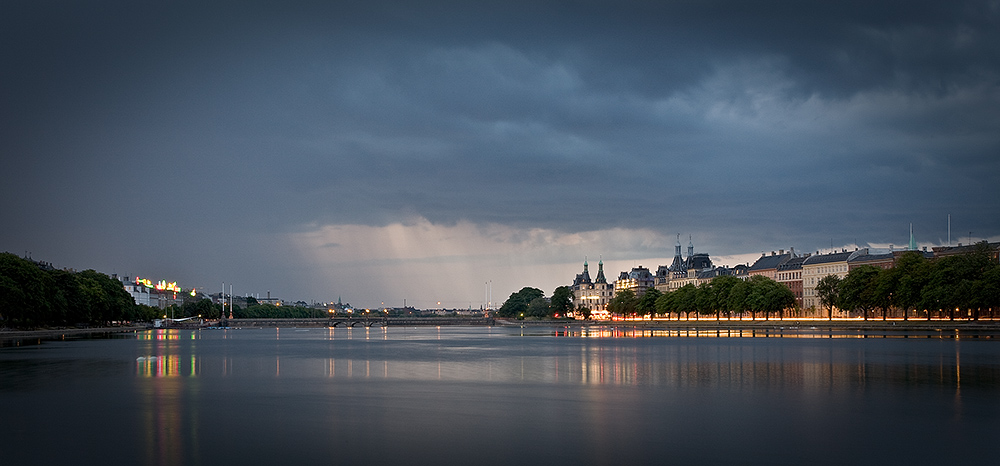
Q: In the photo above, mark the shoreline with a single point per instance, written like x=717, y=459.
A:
x=773, y=324
x=55, y=333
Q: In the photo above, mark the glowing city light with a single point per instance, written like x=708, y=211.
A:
x=162, y=285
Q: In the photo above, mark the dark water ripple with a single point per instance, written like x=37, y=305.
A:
x=478, y=395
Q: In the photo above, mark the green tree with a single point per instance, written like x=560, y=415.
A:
x=647, y=303
x=704, y=299
x=665, y=304
x=686, y=300
x=24, y=292
x=624, y=303
x=538, y=307
x=721, y=287
x=991, y=289
x=828, y=291
x=944, y=290
x=756, y=297
x=785, y=299
x=906, y=281
x=859, y=290
x=777, y=297
x=562, y=301
x=737, y=299
x=517, y=304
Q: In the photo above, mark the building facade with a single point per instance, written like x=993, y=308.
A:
x=817, y=266
x=768, y=265
x=592, y=294
x=638, y=280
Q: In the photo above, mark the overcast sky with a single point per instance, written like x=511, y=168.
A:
x=380, y=151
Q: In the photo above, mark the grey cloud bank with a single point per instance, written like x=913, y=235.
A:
x=222, y=142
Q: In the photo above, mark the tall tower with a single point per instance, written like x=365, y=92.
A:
x=678, y=264
x=600, y=273
x=690, y=247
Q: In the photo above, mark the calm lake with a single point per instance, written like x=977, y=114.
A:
x=500, y=395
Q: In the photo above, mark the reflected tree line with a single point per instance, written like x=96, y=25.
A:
x=962, y=286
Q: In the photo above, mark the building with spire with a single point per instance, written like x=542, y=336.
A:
x=697, y=267
x=592, y=294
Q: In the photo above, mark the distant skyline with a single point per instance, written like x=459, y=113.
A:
x=381, y=151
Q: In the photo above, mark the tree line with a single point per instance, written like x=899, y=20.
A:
x=531, y=303
x=960, y=286
x=722, y=296
x=31, y=296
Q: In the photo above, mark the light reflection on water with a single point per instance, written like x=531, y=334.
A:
x=498, y=395
x=590, y=356
x=780, y=332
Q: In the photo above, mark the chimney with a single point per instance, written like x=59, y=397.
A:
x=781, y=252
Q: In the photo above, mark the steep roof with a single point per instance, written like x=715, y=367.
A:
x=794, y=263
x=770, y=262
x=872, y=257
x=600, y=273
x=827, y=258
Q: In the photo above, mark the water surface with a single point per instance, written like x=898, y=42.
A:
x=481, y=395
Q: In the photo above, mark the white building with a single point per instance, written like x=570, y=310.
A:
x=593, y=295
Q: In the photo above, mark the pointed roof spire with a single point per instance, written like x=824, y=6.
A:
x=600, y=272
x=913, y=241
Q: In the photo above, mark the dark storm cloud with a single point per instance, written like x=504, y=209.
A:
x=746, y=122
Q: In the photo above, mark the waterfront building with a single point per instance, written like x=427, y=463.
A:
x=880, y=260
x=161, y=294
x=139, y=292
x=817, y=266
x=993, y=249
x=638, y=280
x=789, y=274
x=694, y=269
x=666, y=274
x=740, y=271
x=768, y=265
x=591, y=294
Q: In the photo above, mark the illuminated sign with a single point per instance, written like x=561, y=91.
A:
x=162, y=285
